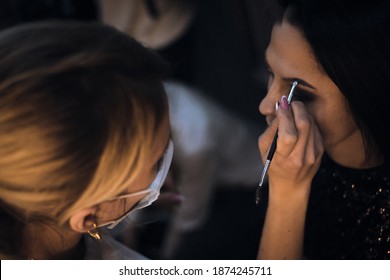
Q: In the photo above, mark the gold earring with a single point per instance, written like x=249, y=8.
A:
x=95, y=232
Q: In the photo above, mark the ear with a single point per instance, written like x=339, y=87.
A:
x=83, y=220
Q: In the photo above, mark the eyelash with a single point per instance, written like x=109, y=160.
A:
x=299, y=94
x=158, y=163
x=303, y=96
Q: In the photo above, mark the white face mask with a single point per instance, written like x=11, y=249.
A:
x=152, y=193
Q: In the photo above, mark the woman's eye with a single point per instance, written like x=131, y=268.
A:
x=303, y=96
x=159, y=164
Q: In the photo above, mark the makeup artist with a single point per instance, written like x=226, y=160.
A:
x=85, y=139
x=329, y=180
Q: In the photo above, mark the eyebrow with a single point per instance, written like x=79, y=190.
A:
x=300, y=82
x=290, y=80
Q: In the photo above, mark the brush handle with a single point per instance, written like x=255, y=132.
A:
x=272, y=149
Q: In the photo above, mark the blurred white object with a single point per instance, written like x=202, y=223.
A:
x=212, y=148
x=136, y=18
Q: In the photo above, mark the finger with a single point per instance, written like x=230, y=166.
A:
x=311, y=148
x=318, y=143
x=303, y=124
x=315, y=146
x=287, y=131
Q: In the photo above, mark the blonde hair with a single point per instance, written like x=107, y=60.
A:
x=80, y=105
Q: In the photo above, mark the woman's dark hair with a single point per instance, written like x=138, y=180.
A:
x=80, y=106
x=351, y=41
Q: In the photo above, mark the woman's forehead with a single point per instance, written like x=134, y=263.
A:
x=290, y=54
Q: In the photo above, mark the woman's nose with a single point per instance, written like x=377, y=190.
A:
x=267, y=105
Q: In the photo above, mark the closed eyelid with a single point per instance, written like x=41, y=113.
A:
x=160, y=159
x=165, y=148
x=303, y=95
x=157, y=165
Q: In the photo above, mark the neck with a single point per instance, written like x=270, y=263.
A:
x=44, y=241
x=350, y=152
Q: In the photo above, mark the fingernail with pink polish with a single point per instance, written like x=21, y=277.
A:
x=284, y=103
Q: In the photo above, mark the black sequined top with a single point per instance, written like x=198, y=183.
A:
x=348, y=215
